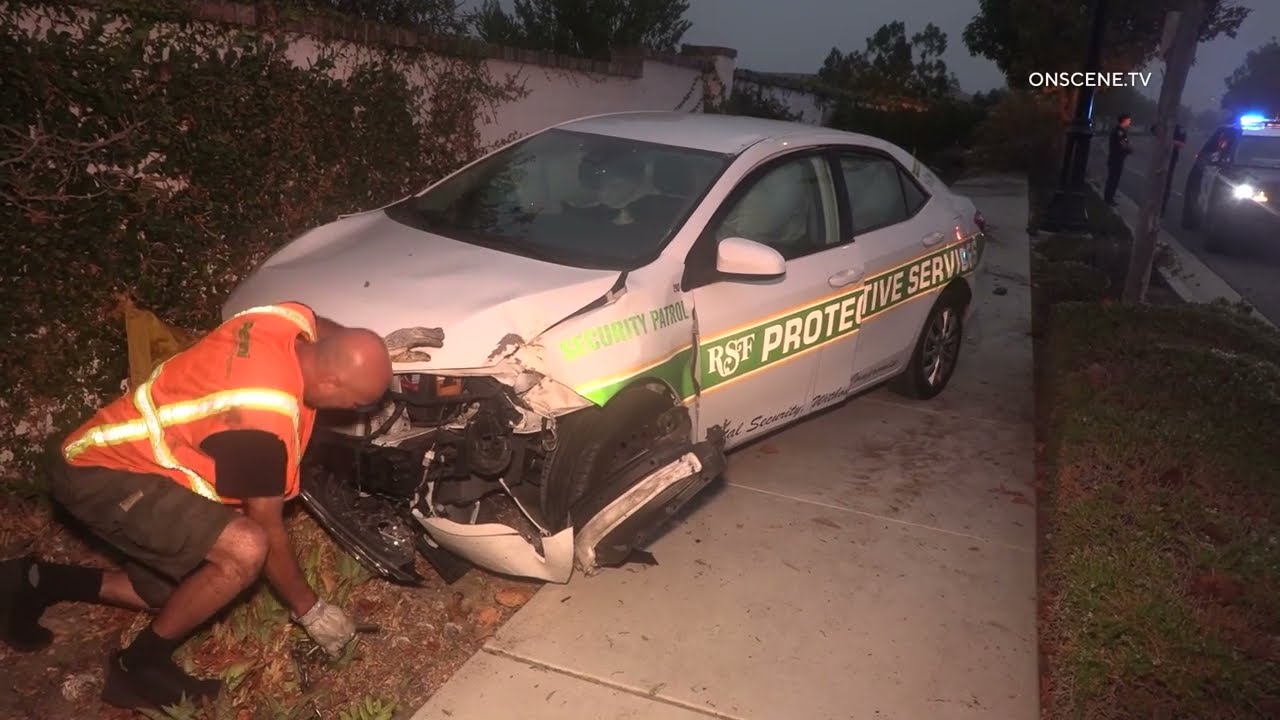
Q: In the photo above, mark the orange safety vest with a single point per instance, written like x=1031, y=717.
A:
x=244, y=375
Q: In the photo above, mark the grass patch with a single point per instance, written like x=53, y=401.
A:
x=1160, y=498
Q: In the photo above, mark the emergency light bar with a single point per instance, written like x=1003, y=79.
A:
x=1257, y=122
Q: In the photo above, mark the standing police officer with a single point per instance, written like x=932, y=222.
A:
x=1119, y=149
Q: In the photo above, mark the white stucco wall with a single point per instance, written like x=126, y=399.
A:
x=806, y=105
x=556, y=95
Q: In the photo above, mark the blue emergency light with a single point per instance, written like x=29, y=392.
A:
x=1253, y=120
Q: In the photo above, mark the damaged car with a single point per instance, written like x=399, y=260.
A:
x=584, y=321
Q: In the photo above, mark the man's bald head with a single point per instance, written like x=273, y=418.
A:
x=346, y=368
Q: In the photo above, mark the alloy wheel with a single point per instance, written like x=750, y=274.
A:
x=941, y=346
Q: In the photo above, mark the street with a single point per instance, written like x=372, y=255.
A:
x=1253, y=270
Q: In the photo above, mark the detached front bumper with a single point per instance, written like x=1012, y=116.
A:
x=659, y=484
x=387, y=532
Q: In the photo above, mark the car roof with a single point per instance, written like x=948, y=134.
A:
x=725, y=134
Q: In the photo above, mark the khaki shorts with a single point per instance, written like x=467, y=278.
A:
x=164, y=530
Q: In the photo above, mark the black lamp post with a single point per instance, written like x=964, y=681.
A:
x=1067, y=210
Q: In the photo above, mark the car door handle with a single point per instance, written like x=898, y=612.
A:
x=933, y=238
x=846, y=277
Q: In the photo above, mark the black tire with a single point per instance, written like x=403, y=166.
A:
x=592, y=443
x=937, y=351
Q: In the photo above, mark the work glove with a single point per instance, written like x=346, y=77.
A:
x=328, y=626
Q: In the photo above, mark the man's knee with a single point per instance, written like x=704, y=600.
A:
x=152, y=588
x=241, y=548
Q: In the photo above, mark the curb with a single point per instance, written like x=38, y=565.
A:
x=1192, y=280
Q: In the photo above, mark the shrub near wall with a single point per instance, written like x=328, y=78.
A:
x=143, y=155
x=928, y=134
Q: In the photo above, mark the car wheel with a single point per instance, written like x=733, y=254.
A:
x=594, y=443
x=937, y=351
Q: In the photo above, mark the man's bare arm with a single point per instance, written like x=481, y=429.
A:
x=282, y=569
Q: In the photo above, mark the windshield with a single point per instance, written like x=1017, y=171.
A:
x=571, y=198
x=1259, y=150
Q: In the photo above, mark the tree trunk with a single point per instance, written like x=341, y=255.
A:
x=1181, y=55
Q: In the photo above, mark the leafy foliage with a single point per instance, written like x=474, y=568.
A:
x=1023, y=36
x=930, y=134
x=893, y=65
x=1019, y=132
x=151, y=157
x=752, y=103
x=584, y=28
x=368, y=708
x=435, y=16
x=1255, y=85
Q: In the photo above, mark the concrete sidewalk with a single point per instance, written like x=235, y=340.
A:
x=876, y=561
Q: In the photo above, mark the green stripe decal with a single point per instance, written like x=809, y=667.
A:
x=751, y=349
x=676, y=371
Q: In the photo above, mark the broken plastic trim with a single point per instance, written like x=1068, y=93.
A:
x=635, y=498
x=503, y=549
x=665, y=483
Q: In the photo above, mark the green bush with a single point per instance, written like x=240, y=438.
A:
x=151, y=157
x=934, y=135
x=1022, y=132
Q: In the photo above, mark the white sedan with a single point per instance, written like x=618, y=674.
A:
x=584, y=321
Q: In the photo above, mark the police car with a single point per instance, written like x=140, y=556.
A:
x=584, y=321
x=1233, y=187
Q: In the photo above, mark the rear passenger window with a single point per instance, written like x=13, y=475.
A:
x=915, y=196
x=875, y=191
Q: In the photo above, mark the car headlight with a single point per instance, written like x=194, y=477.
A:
x=1246, y=191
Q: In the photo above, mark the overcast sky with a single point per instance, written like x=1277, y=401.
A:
x=796, y=35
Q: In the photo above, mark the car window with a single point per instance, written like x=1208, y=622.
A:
x=875, y=191
x=568, y=197
x=790, y=208
x=915, y=196
x=1261, y=150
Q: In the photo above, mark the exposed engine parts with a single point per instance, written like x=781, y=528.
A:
x=440, y=450
x=441, y=465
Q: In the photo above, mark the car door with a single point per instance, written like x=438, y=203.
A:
x=1215, y=155
x=757, y=338
x=896, y=229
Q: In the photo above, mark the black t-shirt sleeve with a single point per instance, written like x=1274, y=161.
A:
x=248, y=463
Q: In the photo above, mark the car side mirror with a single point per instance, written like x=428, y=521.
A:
x=739, y=256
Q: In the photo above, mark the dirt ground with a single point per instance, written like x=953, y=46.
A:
x=273, y=671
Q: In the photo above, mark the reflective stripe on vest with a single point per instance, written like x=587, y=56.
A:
x=292, y=316
x=152, y=421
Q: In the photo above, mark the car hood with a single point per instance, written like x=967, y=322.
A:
x=370, y=271
x=1260, y=175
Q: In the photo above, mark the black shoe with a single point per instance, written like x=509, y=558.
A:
x=21, y=608
x=153, y=685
